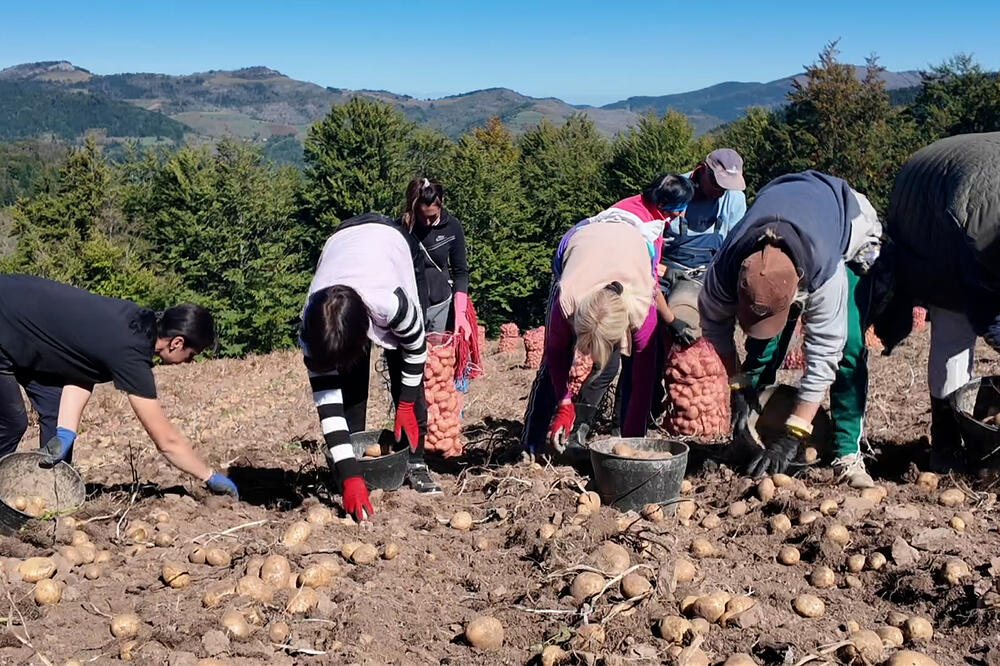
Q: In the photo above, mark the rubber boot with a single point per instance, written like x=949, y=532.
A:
x=417, y=473
x=577, y=452
x=947, y=453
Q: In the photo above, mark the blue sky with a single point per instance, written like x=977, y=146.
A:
x=583, y=52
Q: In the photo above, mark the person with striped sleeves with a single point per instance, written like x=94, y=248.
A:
x=365, y=291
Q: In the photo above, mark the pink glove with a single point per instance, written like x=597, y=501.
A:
x=562, y=424
x=461, y=315
x=356, y=500
x=406, y=421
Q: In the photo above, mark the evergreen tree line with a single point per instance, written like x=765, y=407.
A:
x=225, y=227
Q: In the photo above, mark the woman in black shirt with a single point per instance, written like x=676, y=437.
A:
x=442, y=245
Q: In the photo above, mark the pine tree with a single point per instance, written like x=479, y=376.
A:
x=657, y=145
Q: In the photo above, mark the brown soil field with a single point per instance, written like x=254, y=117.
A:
x=255, y=418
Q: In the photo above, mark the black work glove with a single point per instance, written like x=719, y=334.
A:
x=776, y=457
x=682, y=332
x=742, y=402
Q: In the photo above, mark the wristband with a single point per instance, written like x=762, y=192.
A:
x=737, y=382
x=798, y=426
x=210, y=473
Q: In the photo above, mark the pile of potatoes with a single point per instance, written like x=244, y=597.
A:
x=697, y=400
x=582, y=366
x=33, y=506
x=625, y=451
x=534, y=347
x=510, y=338
x=444, y=402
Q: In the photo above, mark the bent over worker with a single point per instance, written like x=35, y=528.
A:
x=803, y=248
x=944, y=224
x=365, y=291
x=57, y=342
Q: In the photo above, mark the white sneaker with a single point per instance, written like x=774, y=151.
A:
x=851, y=469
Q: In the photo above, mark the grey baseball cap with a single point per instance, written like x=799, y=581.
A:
x=727, y=165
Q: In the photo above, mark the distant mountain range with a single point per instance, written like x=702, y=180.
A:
x=61, y=99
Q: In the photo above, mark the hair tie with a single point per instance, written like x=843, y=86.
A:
x=426, y=183
x=615, y=286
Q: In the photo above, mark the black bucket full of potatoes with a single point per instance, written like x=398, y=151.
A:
x=631, y=472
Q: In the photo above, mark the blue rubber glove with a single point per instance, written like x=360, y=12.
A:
x=222, y=485
x=58, y=449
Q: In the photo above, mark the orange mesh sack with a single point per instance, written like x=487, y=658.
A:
x=582, y=366
x=481, y=336
x=697, y=400
x=510, y=338
x=919, y=319
x=534, y=347
x=444, y=402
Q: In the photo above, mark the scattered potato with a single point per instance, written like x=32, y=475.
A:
x=685, y=509
x=673, y=628
x=175, y=575
x=782, y=480
x=462, y=520
x=390, y=551
x=319, y=515
x=275, y=571
x=737, y=509
x=951, y=497
x=552, y=655
x=735, y=607
x=255, y=588
x=71, y=555
x=874, y=495
x=547, y=531
x=125, y=626
x=852, y=581
x=957, y=524
x=589, y=637
x=910, y=658
x=953, y=571
x=138, y=531
x=693, y=656
x=102, y=557
x=856, y=563
x=765, y=490
x=804, y=493
x=47, y=592
x=709, y=608
x=92, y=571
x=348, y=549
x=303, y=601
x=88, y=552
x=484, y=633
x=789, y=555
x=891, y=637
x=315, y=576
x=296, y=534
x=364, y=554
x=635, y=585
x=585, y=585
x=808, y=517
x=711, y=521
x=838, y=534
x=197, y=556
x=779, y=523
x=590, y=501
x=218, y=592
x=653, y=513
x=822, y=577
x=35, y=569
x=126, y=649
x=702, y=548
x=927, y=480
x=684, y=570
x=79, y=537
x=876, y=561
x=611, y=558
x=277, y=632
x=236, y=625
x=917, y=629
x=808, y=605
x=865, y=647
x=828, y=507
x=686, y=487
x=895, y=619
x=217, y=557
x=852, y=626
x=740, y=659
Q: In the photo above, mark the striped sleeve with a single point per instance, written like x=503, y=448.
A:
x=329, y=399
x=408, y=326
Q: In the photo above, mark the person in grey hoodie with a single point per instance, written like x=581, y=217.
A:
x=803, y=249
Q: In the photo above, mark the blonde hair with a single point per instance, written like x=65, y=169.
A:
x=607, y=317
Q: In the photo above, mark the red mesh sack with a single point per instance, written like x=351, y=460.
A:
x=510, y=338
x=697, y=400
x=872, y=341
x=534, y=347
x=919, y=319
x=582, y=366
x=795, y=359
x=444, y=402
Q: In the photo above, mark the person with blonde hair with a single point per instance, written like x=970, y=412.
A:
x=601, y=307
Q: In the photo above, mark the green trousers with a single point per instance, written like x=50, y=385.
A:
x=849, y=392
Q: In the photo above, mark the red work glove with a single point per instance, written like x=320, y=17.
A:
x=356, y=500
x=406, y=421
x=562, y=424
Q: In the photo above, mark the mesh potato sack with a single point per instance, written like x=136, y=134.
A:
x=795, y=358
x=582, y=366
x=919, y=325
x=510, y=338
x=534, y=347
x=481, y=336
x=444, y=402
x=697, y=399
x=919, y=319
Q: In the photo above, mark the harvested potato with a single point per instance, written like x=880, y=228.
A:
x=127, y=649
x=102, y=557
x=348, y=549
x=652, y=513
x=852, y=626
x=47, y=592
x=589, y=637
x=957, y=524
x=700, y=626
x=928, y=481
x=462, y=521
x=624, y=450
x=686, y=487
x=856, y=563
x=765, y=490
x=693, y=656
x=296, y=534
x=390, y=551
x=951, y=498
x=735, y=607
x=92, y=571
x=891, y=637
x=275, y=571
x=711, y=521
x=125, y=626
x=740, y=659
x=255, y=588
x=709, y=608
x=315, y=576
x=895, y=619
x=874, y=495
x=673, y=628
x=71, y=555
x=779, y=523
x=484, y=633
x=303, y=601
x=837, y=534
x=737, y=509
x=917, y=629
x=685, y=509
x=197, y=556
x=828, y=507
x=546, y=531
x=808, y=605
x=635, y=585
x=876, y=561
x=36, y=506
x=804, y=493
x=552, y=655
x=953, y=571
x=277, y=632
x=236, y=625
x=702, y=548
x=175, y=575
x=822, y=577
x=217, y=557
x=138, y=531
x=163, y=540
x=373, y=451
x=782, y=480
x=684, y=570
x=585, y=585
x=216, y=593
x=910, y=658
x=319, y=515
x=611, y=558
x=364, y=554
x=789, y=555
x=865, y=647
x=590, y=501
x=808, y=517
x=20, y=503
x=35, y=569
x=79, y=537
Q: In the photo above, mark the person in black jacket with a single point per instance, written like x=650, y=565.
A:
x=442, y=245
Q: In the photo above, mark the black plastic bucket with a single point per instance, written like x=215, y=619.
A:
x=632, y=483
x=971, y=404
x=386, y=472
x=60, y=487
